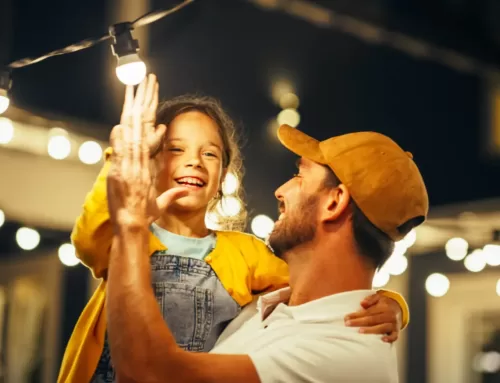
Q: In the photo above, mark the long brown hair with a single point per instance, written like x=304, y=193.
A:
x=231, y=158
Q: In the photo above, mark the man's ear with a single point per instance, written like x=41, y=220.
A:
x=336, y=203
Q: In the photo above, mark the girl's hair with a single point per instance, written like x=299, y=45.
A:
x=231, y=157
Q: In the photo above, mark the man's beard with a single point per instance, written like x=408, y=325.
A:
x=296, y=228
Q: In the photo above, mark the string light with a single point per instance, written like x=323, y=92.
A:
x=5, y=85
x=130, y=69
x=373, y=34
x=129, y=65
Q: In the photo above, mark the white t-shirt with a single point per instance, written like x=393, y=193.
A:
x=309, y=342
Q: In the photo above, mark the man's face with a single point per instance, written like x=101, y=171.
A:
x=299, y=201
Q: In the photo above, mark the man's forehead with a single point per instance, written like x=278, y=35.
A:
x=303, y=162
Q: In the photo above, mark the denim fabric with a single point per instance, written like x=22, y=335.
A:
x=193, y=302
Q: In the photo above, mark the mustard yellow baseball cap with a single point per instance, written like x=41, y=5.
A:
x=382, y=178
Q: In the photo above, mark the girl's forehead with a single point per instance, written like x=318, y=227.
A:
x=193, y=126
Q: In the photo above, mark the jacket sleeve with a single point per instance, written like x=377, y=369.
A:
x=268, y=272
x=405, y=310
x=92, y=233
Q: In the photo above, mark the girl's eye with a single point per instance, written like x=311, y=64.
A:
x=210, y=154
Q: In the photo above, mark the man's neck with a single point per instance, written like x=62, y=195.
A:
x=187, y=224
x=316, y=273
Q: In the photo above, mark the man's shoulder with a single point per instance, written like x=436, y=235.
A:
x=327, y=353
x=316, y=352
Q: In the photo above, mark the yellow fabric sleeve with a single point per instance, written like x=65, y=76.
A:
x=268, y=272
x=405, y=310
x=93, y=233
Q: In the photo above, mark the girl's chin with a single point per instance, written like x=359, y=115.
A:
x=190, y=203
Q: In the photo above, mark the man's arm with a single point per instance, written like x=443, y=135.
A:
x=142, y=347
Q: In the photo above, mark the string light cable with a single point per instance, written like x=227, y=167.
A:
x=373, y=34
x=130, y=68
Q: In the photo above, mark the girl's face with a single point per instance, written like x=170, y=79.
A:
x=192, y=157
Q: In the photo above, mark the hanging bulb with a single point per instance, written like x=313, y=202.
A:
x=130, y=69
x=5, y=84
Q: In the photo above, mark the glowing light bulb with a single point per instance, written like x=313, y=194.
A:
x=492, y=254
x=67, y=255
x=381, y=278
x=4, y=102
x=2, y=218
x=229, y=206
x=456, y=249
x=289, y=117
x=212, y=221
x=262, y=225
x=437, y=285
x=230, y=184
x=475, y=261
x=289, y=100
x=396, y=264
x=27, y=238
x=130, y=70
x=6, y=130
x=59, y=146
x=90, y=152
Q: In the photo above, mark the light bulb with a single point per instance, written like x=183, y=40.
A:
x=289, y=117
x=130, y=70
x=381, y=278
x=2, y=218
x=90, y=152
x=230, y=184
x=212, y=221
x=437, y=285
x=5, y=85
x=6, y=130
x=27, y=238
x=289, y=100
x=262, y=225
x=396, y=264
x=4, y=102
x=229, y=206
x=67, y=255
x=475, y=261
x=492, y=254
x=59, y=146
x=456, y=249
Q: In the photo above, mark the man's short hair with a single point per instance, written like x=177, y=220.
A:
x=372, y=243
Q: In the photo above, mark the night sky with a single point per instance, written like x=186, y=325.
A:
x=234, y=51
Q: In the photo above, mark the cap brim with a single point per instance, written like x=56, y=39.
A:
x=300, y=143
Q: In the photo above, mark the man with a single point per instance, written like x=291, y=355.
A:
x=353, y=197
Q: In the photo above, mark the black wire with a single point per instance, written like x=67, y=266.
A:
x=146, y=19
x=84, y=44
x=153, y=16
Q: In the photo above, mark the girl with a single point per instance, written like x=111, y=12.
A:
x=201, y=278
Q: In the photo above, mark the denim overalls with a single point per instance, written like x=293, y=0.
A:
x=191, y=298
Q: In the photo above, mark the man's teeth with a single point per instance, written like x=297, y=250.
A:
x=190, y=181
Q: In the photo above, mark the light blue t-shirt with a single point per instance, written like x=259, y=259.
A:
x=197, y=248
